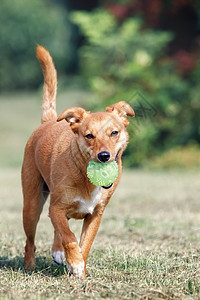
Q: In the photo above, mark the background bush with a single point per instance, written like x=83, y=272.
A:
x=23, y=24
x=127, y=62
x=125, y=53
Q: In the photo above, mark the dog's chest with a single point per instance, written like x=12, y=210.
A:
x=88, y=206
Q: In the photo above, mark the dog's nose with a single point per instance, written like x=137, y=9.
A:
x=103, y=156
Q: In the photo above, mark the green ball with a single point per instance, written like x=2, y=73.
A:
x=102, y=174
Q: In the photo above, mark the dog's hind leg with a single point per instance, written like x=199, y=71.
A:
x=34, y=194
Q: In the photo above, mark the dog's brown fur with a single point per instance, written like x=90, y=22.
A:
x=55, y=160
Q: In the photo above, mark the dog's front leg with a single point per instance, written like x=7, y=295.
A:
x=89, y=230
x=73, y=255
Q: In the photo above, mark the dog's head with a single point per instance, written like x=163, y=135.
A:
x=103, y=135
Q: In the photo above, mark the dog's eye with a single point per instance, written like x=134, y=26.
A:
x=89, y=136
x=114, y=133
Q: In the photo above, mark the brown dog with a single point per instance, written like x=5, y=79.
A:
x=55, y=161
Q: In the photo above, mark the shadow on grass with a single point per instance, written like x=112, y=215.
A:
x=42, y=266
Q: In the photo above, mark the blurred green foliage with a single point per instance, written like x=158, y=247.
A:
x=187, y=157
x=23, y=24
x=119, y=60
x=127, y=62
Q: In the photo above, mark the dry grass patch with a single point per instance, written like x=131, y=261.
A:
x=147, y=246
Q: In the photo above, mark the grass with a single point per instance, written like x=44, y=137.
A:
x=147, y=246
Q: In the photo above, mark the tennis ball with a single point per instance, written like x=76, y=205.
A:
x=102, y=174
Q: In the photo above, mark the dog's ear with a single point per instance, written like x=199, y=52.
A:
x=74, y=116
x=122, y=109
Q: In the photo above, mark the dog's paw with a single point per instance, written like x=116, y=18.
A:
x=76, y=270
x=74, y=259
x=58, y=257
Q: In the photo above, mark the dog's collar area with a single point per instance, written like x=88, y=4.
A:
x=107, y=187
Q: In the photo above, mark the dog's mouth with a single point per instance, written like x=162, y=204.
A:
x=116, y=159
x=117, y=155
x=110, y=185
x=107, y=187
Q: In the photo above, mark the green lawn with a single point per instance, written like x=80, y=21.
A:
x=148, y=244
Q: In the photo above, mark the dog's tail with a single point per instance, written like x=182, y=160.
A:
x=50, y=84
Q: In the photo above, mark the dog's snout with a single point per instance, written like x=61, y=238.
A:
x=103, y=156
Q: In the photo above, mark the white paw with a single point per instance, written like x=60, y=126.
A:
x=58, y=257
x=76, y=270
